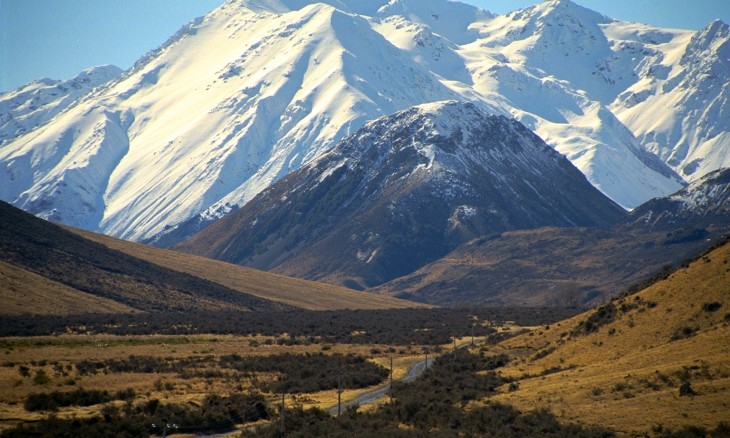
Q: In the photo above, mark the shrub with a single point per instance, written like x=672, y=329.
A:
x=602, y=316
x=215, y=414
x=80, y=397
x=685, y=389
x=683, y=333
x=711, y=307
x=309, y=372
x=433, y=406
x=41, y=378
x=24, y=371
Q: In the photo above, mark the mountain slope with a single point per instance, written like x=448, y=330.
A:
x=559, y=51
x=403, y=191
x=175, y=138
x=629, y=364
x=575, y=266
x=26, y=293
x=678, y=110
x=238, y=99
x=704, y=203
x=45, y=269
x=42, y=249
x=289, y=291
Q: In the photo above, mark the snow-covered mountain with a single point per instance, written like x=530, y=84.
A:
x=35, y=104
x=240, y=98
x=558, y=70
x=678, y=108
x=403, y=191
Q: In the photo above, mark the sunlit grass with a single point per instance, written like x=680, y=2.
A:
x=627, y=374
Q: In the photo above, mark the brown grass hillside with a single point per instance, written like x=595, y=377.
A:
x=550, y=266
x=24, y=292
x=287, y=290
x=49, y=270
x=624, y=364
x=59, y=272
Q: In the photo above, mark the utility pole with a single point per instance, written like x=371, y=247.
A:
x=390, y=390
x=339, y=394
x=472, y=334
x=281, y=425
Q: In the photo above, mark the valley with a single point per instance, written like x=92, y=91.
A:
x=628, y=367
x=373, y=218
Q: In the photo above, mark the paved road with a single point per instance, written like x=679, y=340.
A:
x=371, y=396
x=381, y=391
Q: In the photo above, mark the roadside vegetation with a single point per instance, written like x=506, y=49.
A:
x=126, y=372
x=440, y=403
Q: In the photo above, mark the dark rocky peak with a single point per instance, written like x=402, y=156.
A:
x=403, y=191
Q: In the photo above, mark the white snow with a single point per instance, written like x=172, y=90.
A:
x=38, y=102
x=256, y=89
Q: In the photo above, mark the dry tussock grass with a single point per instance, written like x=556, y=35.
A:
x=287, y=290
x=627, y=374
x=24, y=292
x=42, y=353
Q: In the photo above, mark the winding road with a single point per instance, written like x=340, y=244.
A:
x=371, y=396
x=381, y=391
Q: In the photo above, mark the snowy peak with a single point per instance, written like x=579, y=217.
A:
x=95, y=76
x=238, y=99
x=447, y=137
x=708, y=54
x=361, y=7
x=552, y=13
x=38, y=102
x=678, y=108
x=711, y=38
x=558, y=21
x=563, y=39
x=449, y=19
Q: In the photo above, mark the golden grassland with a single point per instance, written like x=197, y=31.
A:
x=287, y=290
x=53, y=355
x=627, y=375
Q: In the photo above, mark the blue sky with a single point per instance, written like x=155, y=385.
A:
x=60, y=38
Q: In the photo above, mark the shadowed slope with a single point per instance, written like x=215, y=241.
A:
x=286, y=290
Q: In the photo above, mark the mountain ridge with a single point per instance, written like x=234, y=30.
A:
x=35, y=104
x=576, y=266
x=176, y=142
